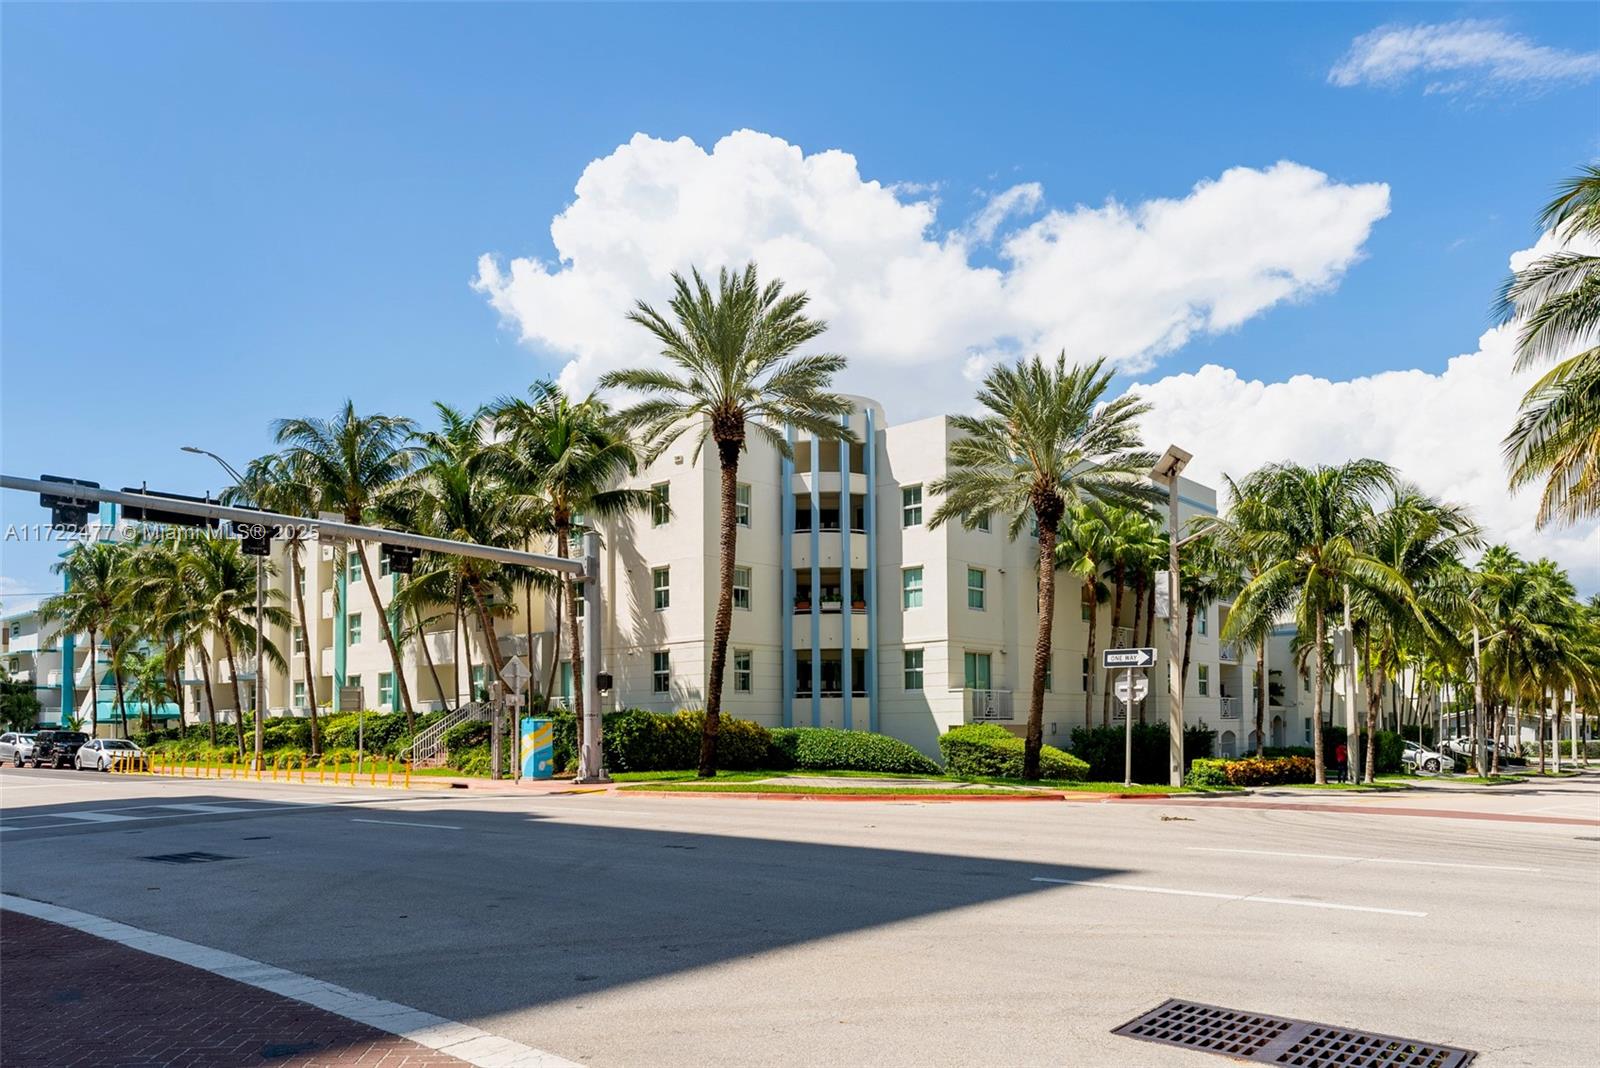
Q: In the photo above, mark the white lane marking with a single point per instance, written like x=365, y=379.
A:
x=458, y=1040
x=206, y=808
x=97, y=817
x=404, y=823
x=1258, y=898
x=1364, y=860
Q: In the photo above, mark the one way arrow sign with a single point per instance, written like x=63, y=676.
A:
x=1124, y=658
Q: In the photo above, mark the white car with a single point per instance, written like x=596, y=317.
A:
x=102, y=753
x=1423, y=758
x=16, y=747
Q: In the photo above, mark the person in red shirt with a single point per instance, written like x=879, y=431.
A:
x=1341, y=756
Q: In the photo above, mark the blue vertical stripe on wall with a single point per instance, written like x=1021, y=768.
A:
x=786, y=583
x=816, y=584
x=872, y=589
x=846, y=654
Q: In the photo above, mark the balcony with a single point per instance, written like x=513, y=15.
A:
x=1228, y=707
x=989, y=706
x=1228, y=652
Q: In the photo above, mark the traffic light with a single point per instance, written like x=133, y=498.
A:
x=255, y=539
x=140, y=513
x=402, y=558
x=67, y=510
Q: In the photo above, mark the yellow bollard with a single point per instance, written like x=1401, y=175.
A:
x=390, y=780
x=373, y=781
x=322, y=772
x=302, y=770
x=408, y=773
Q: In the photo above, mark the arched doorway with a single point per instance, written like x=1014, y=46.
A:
x=1228, y=745
x=1277, y=731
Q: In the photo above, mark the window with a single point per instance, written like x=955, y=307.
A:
x=977, y=671
x=1085, y=680
x=911, y=506
x=480, y=682
x=1204, y=679
x=577, y=600
x=1200, y=619
x=661, y=584
x=354, y=682
x=383, y=564
x=741, y=671
x=355, y=567
x=1049, y=675
x=911, y=588
x=1083, y=604
x=386, y=691
x=975, y=588
x=913, y=669
x=1308, y=730
x=565, y=689
x=661, y=671
x=741, y=507
x=353, y=628
x=299, y=640
x=983, y=522
x=302, y=582
x=660, y=504
x=299, y=693
x=1305, y=682
x=741, y=588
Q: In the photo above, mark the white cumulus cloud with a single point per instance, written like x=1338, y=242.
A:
x=1126, y=281
x=1443, y=431
x=1455, y=56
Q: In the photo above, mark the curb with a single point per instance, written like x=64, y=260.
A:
x=758, y=795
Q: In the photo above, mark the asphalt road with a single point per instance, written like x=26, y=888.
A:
x=633, y=930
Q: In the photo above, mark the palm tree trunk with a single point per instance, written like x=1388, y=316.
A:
x=1374, y=709
x=1138, y=607
x=388, y=636
x=233, y=679
x=569, y=594
x=1088, y=675
x=1261, y=697
x=1316, y=734
x=491, y=637
x=1188, y=644
x=1540, y=735
x=466, y=645
x=1116, y=620
x=211, y=697
x=728, y=457
x=427, y=656
x=122, y=704
x=1034, y=740
x=296, y=576
x=1494, y=740
x=555, y=660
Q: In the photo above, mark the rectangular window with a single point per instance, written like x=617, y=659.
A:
x=1049, y=675
x=299, y=693
x=577, y=600
x=661, y=671
x=741, y=671
x=566, y=680
x=353, y=628
x=660, y=504
x=975, y=580
x=1204, y=679
x=1083, y=604
x=741, y=507
x=911, y=506
x=299, y=640
x=1084, y=681
x=355, y=566
x=1308, y=730
x=1305, y=682
x=741, y=588
x=911, y=588
x=386, y=691
x=480, y=682
x=977, y=671
x=661, y=584
x=983, y=522
x=913, y=669
x=383, y=565
x=1200, y=620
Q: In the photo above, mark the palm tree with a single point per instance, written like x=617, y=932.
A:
x=1047, y=441
x=270, y=484
x=1556, y=302
x=166, y=599
x=224, y=585
x=1309, y=525
x=567, y=456
x=732, y=367
x=349, y=464
x=1083, y=549
x=150, y=685
x=1128, y=531
x=91, y=603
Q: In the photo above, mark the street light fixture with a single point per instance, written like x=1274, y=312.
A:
x=260, y=683
x=1166, y=472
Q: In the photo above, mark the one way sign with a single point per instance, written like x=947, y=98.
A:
x=1125, y=658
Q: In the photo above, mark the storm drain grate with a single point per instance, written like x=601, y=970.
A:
x=187, y=858
x=1264, y=1039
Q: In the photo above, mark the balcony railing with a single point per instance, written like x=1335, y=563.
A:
x=987, y=706
x=1229, y=707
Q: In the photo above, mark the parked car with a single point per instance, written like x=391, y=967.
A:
x=1423, y=758
x=102, y=754
x=56, y=748
x=16, y=747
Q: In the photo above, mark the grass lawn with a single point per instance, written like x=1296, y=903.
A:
x=1488, y=780
x=714, y=787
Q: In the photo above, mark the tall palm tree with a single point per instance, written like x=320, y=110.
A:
x=568, y=456
x=165, y=597
x=1309, y=525
x=150, y=684
x=1128, y=531
x=1556, y=302
x=1047, y=440
x=225, y=589
x=349, y=464
x=270, y=483
x=95, y=594
x=733, y=365
x=1083, y=548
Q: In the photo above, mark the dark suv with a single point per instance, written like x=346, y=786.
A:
x=57, y=748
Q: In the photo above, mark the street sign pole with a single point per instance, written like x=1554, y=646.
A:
x=1127, y=732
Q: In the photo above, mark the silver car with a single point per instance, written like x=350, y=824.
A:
x=1421, y=758
x=16, y=747
x=102, y=753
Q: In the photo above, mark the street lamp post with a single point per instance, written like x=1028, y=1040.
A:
x=1166, y=472
x=260, y=682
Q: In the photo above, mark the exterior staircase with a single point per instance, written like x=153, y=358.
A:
x=427, y=748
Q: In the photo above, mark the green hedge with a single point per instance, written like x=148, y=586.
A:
x=640, y=740
x=988, y=750
x=1103, y=749
x=831, y=749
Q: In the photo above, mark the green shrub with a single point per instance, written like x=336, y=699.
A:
x=1288, y=750
x=1103, y=749
x=285, y=758
x=470, y=735
x=471, y=760
x=639, y=740
x=334, y=757
x=1207, y=772
x=1390, y=746
x=831, y=749
x=286, y=732
x=988, y=750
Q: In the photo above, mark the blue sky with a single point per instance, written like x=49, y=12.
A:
x=218, y=215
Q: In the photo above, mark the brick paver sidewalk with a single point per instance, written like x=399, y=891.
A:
x=71, y=998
